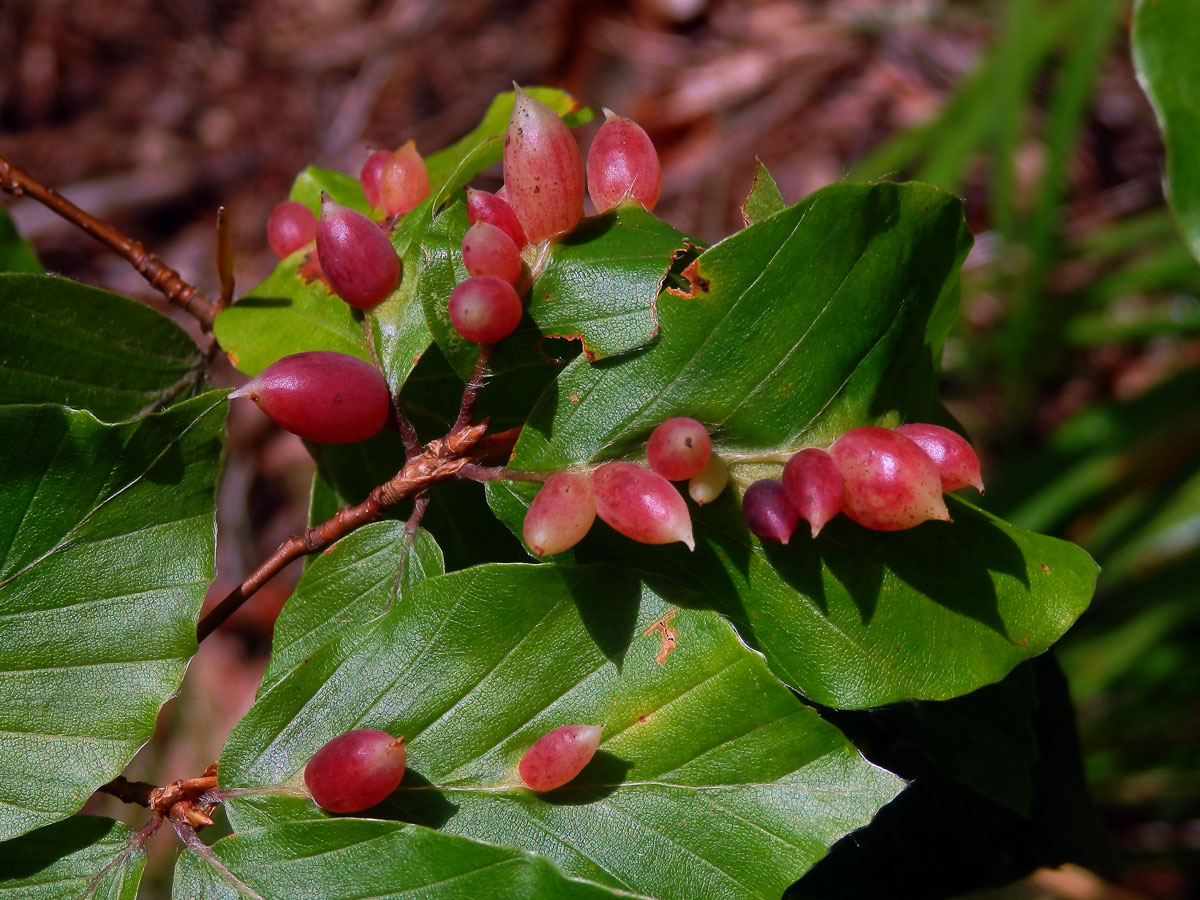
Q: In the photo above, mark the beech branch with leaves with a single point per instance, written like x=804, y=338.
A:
x=553, y=734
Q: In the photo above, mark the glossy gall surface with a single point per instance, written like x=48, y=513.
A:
x=815, y=487
x=356, y=256
x=560, y=515
x=322, y=396
x=559, y=756
x=622, y=165
x=355, y=770
x=890, y=483
x=641, y=504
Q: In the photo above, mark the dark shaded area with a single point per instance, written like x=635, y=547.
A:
x=29, y=854
x=942, y=837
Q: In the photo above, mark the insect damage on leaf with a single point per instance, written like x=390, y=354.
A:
x=669, y=636
x=697, y=283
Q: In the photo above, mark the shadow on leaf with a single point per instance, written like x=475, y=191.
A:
x=599, y=778
x=419, y=802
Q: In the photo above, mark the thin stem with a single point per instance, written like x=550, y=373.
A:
x=161, y=277
x=441, y=460
x=138, y=792
x=410, y=537
x=466, y=412
x=408, y=433
x=188, y=836
x=135, y=843
x=543, y=255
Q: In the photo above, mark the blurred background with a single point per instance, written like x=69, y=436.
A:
x=1074, y=367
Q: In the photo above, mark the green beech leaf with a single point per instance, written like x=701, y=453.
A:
x=81, y=857
x=601, y=281
x=63, y=342
x=827, y=315
x=16, y=253
x=1164, y=37
x=106, y=548
x=354, y=858
x=764, y=199
x=859, y=618
x=693, y=783
x=801, y=326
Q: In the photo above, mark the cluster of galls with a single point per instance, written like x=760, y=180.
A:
x=360, y=768
x=883, y=479
x=541, y=200
x=333, y=398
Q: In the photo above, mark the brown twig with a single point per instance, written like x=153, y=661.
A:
x=137, y=792
x=161, y=277
x=441, y=460
x=466, y=412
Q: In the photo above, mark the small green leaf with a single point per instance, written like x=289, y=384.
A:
x=1165, y=35
x=601, y=281
x=284, y=315
x=473, y=666
x=350, y=859
x=764, y=199
x=342, y=188
x=16, y=253
x=80, y=857
x=63, y=342
x=106, y=549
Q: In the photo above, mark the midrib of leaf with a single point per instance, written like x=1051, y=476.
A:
x=275, y=735
x=898, y=317
x=16, y=534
